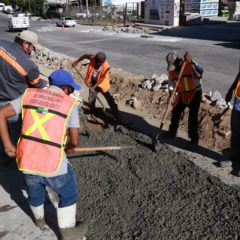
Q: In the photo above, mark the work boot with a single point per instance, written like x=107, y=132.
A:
x=67, y=224
x=39, y=220
x=225, y=163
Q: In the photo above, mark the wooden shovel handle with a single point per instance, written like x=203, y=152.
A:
x=172, y=96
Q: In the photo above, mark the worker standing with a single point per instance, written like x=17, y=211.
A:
x=17, y=72
x=189, y=93
x=235, y=128
x=47, y=114
x=98, y=80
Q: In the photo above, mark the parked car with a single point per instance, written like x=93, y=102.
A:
x=66, y=22
x=1, y=6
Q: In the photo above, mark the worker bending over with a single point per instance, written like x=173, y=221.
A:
x=46, y=116
x=189, y=93
x=98, y=80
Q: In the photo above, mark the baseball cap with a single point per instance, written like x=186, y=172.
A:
x=63, y=78
x=30, y=37
x=171, y=58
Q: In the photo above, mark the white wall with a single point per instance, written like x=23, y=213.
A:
x=162, y=12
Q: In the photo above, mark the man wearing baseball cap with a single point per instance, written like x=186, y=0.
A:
x=189, y=93
x=48, y=114
x=17, y=73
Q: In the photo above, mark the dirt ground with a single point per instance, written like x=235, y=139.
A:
x=137, y=194
x=211, y=135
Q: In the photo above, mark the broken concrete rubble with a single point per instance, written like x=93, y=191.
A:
x=218, y=100
x=155, y=82
x=133, y=102
x=128, y=29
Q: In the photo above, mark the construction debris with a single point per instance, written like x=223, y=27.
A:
x=133, y=102
x=156, y=82
x=129, y=29
x=218, y=100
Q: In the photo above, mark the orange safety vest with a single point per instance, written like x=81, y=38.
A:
x=41, y=145
x=237, y=90
x=105, y=84
x=186, y=87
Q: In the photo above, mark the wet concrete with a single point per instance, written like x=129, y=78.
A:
x=137, y=194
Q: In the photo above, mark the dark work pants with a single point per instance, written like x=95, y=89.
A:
x=108, y=97
x=192, y=119
x=235, y=136
x=14, y=128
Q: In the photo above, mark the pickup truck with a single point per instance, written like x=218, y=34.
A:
x=18, y=22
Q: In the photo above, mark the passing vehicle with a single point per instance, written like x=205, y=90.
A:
x=8, y=9
x=19, y=21
x=1, y=6
x=84, y=14
x=66, y=22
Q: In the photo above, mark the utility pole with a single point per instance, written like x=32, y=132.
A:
x=29, y=6
x=87, y=7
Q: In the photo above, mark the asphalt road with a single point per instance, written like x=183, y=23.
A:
x=146, y=56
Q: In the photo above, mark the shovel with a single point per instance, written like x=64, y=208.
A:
x=95, y=149
x=155, y=139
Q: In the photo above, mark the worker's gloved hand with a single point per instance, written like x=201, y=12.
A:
x=10, y=151
x=70, y=151
x=75, y=63
x=228, y=97
x=93, y=89
x=188, y=57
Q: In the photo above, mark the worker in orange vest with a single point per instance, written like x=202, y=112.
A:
x=47, y=114
x=98, y=80
x=189, y=93
x=235, y=128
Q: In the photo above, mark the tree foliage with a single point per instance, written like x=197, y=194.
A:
x=33, y=6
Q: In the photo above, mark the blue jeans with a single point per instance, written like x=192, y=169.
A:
x=64, y=185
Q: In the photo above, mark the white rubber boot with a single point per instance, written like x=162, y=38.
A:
x=67, y=224
x=39, y=220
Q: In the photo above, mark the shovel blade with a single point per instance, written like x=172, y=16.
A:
x=156, y=143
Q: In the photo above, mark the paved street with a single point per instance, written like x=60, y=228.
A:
x=135, y=54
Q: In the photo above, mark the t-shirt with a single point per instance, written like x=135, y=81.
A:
x=17, y=71
x=72, y=122
x=236, y=104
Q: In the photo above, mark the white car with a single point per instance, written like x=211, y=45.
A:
x=66, y=22
x=84, y=14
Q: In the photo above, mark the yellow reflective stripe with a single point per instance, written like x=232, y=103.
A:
x=186, y=87
x=38, y=124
